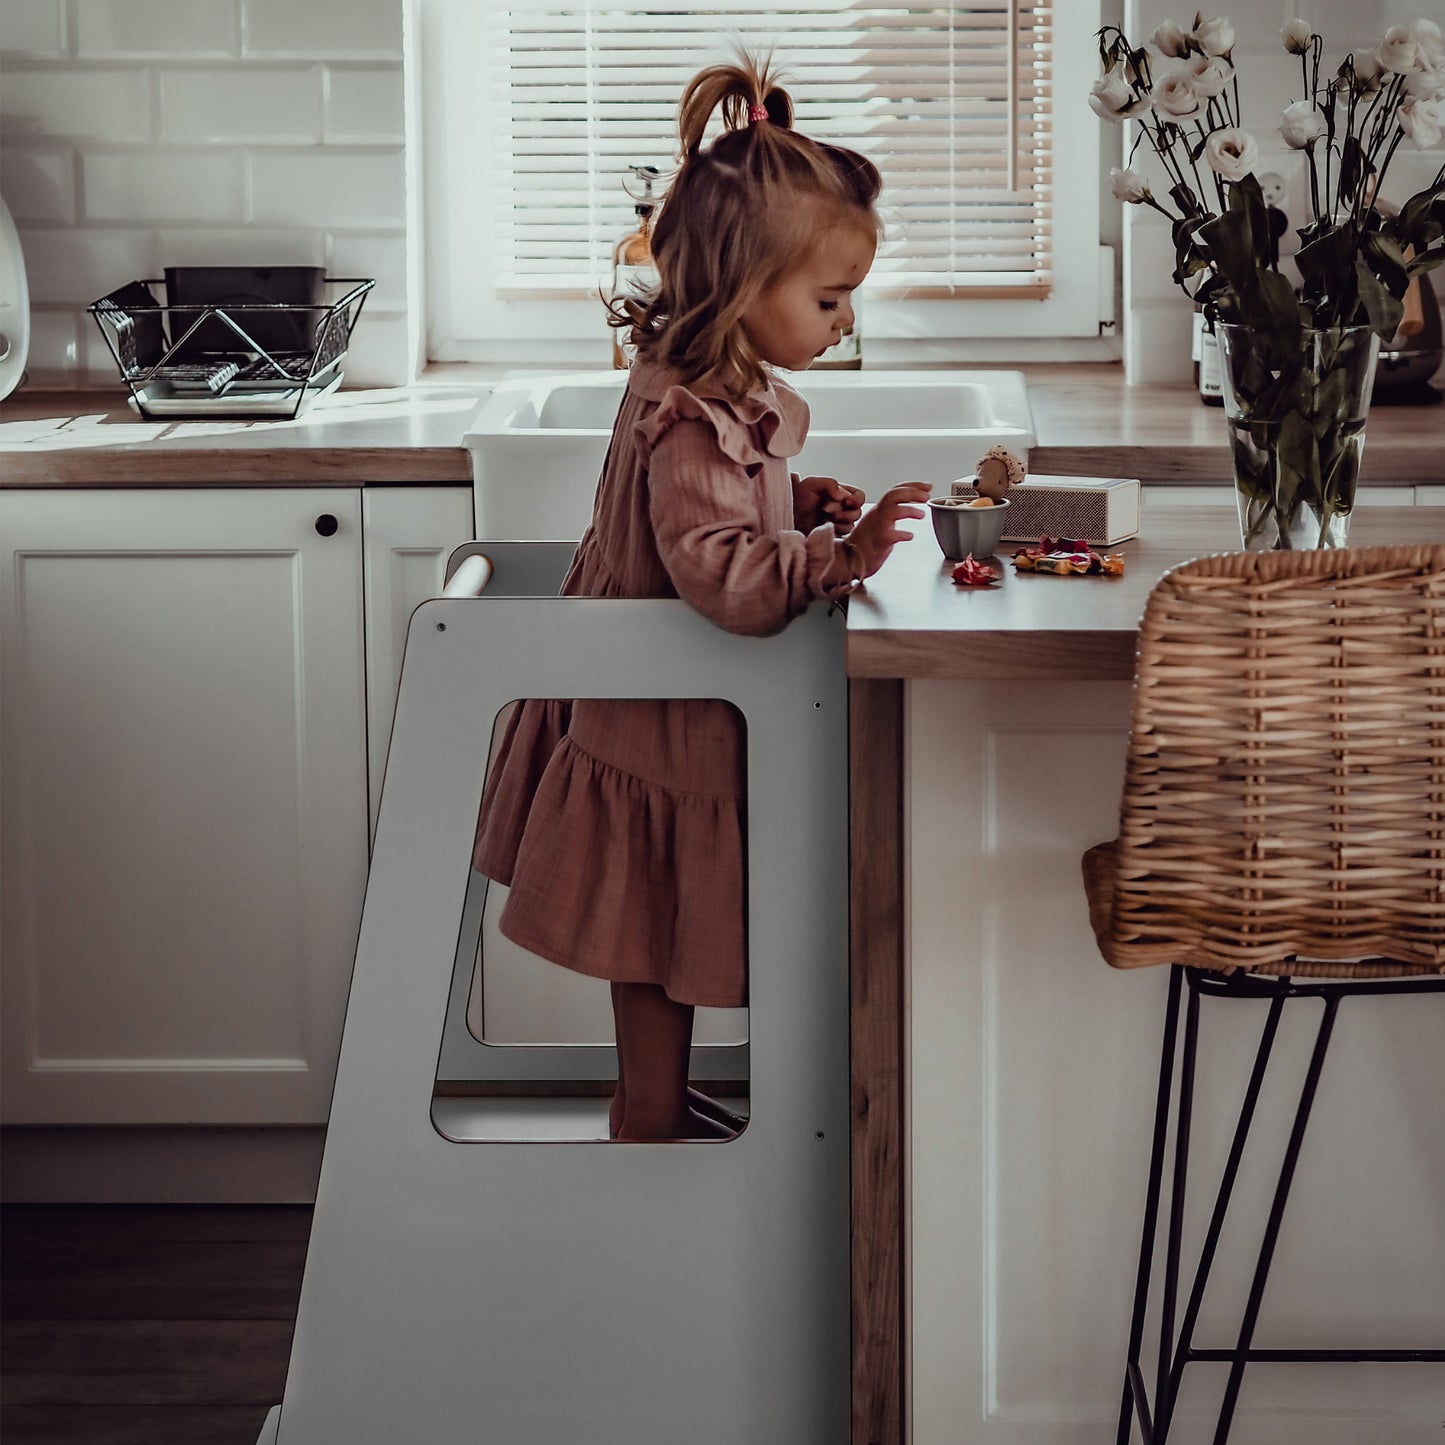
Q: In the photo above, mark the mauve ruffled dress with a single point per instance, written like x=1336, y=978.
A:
x=617, y=825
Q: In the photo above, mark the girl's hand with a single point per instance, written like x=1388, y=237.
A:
x=877, y=533
x=825, y=499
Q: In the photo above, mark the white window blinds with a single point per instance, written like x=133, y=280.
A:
x=953, y=103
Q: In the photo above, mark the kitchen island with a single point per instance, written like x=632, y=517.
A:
x=1003, y=1075
x=1001, y=1072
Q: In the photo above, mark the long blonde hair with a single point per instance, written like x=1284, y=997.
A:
x=738, y=217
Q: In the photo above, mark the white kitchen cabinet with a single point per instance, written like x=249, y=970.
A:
x=185, y=791
x=1032, y=1068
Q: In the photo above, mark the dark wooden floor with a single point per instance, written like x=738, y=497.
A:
x=146, y=1324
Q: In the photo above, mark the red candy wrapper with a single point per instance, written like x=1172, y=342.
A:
x=973, y=573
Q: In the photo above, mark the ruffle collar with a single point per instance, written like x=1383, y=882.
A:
x=771, y=421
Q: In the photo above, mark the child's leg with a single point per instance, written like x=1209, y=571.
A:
x=701, y=1103
x=654, y=1041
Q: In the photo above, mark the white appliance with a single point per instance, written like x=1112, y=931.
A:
x=14, y=306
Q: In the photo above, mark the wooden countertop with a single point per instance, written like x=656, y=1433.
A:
x=1089, y=423
x=911, y=621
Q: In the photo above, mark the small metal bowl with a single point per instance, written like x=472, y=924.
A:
x=965, y=531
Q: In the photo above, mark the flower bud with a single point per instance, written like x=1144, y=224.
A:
x=1113, y=98
x=1171, y=39
x=1367, y=71
x=1297, y=36
x=1231, y=152
x=1174, y=95
x=1128, y=185
x=1301, y=125
x=1214, y=37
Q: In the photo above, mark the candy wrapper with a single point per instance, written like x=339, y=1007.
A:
x=973, y=573
x=1065, y=557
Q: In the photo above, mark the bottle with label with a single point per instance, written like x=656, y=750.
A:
x=633, y=272
x=1205, y=354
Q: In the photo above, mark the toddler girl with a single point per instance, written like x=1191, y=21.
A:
x=618, y=824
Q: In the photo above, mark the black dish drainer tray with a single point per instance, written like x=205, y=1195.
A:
x=248, y=360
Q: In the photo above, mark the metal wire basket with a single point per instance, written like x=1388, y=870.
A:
x=251, y=359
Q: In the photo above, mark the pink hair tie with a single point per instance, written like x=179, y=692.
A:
x=757, y=112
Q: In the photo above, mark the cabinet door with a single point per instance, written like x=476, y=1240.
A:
x=410, y=533
x=1032, y=1070
x=184, y=802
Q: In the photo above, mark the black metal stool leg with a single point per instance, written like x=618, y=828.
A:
x=1163, y=1394
x=1134, y=1400
x=1276, y=1214
x=1226, y=1189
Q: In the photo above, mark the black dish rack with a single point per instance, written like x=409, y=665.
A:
x=228, y=342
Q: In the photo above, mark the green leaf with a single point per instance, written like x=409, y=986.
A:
x=1383, y=310
x=1231, y=248
x=1385, y=258
x=1186, y=200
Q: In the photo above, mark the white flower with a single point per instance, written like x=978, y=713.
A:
x=1297, y=36
x=1174, y=96
x=1301, y=125
x=1128, y=185
x=1113, y=97
x=1214, y=37
x=1398, y=49
x=1231, y=152
x=1421, y=122
x=1210, y=74
x=1171, y=39
x=1426, y=82
x=1428, y=38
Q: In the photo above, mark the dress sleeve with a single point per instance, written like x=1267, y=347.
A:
x=707, y=522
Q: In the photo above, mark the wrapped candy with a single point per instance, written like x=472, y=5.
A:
x=973, y=573
x=1066, y=557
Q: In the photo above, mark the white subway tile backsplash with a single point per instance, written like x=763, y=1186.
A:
x=158, y=185
x=364, y=104
x=35, y=29
x=156, y=27
x=329, y=188
x=369, y=28
x=38, y=183
x=242, y=103
x=383, y=258
x=240, y=246
x=65, y=266
x=48, y=101
x=54, y=352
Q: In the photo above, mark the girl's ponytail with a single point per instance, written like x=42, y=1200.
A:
x=736, y=89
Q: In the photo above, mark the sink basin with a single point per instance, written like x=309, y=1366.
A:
x=538, y=443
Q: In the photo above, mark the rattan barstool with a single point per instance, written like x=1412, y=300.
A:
x=1281, y=836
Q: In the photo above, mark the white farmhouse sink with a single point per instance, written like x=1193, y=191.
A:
x=538, y=443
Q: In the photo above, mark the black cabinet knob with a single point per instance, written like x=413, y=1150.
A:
x=326, y=524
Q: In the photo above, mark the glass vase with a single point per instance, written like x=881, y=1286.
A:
x=1296, y=408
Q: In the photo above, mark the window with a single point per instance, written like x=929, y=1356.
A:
x=538, y=110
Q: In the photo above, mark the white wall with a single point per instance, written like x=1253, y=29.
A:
x=1158, y=314
x=139, y=134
